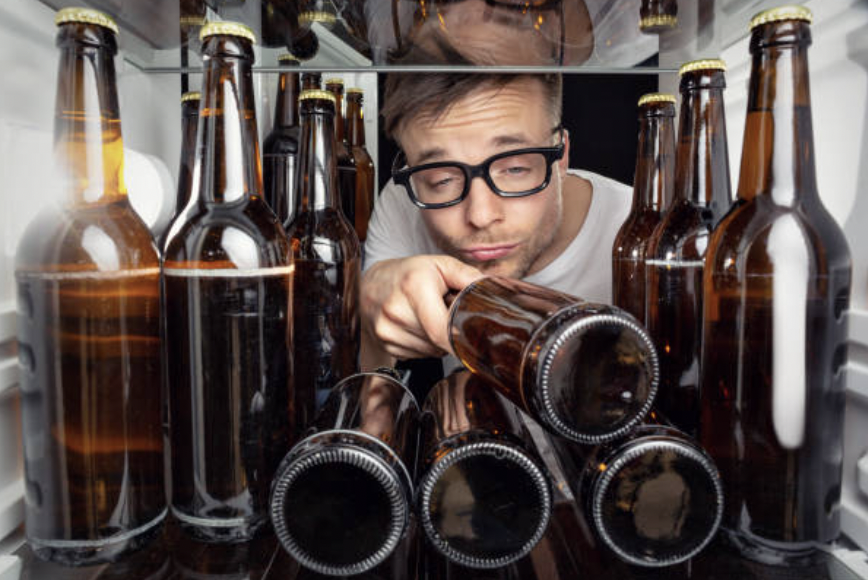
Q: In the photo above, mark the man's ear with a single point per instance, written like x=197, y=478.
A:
x=564, y=162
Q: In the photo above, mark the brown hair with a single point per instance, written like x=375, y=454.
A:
x=411, y=95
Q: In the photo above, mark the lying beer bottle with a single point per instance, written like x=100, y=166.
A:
x=280, y=148
x=484, y=500
x=340, y=502
x=585, y=371
x=652, y=193
x=226, y=279
x=658, y=16
x=89, y=328
x=777, y=288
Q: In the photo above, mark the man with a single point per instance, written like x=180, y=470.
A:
x=483, y=188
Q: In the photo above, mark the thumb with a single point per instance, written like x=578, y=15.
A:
x=455, y=273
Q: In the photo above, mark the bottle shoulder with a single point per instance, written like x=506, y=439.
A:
x=323, y=235
x=281, y=141
x=637, y=228
x=682, y=233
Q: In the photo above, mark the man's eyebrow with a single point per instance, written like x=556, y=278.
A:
x=430, y=155
x=438, y=153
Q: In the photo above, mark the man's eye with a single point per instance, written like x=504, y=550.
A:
x=515, y=170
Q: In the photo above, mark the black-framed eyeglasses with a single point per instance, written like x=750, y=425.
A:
x=516, y=173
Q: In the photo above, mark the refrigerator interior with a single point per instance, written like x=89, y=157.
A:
x=150, y=85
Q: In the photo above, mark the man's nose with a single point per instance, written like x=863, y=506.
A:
x=483, y=207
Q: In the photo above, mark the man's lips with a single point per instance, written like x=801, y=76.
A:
x=487, y=253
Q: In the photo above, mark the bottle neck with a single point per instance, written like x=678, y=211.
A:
x=227, y=142
x=340, y=134
x=778, y=151
x=702, y=168
x=286, y=108
x=186, y=175
x=88, y=144
x=355, y=123
x=655, y=163
x=316, y=177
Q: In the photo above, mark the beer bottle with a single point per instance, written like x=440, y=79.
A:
x=87, y=278
x=654, y=498
x=652, y=193
x=585, y=371
x=364, y=190
x=311, y=81
x=340, y=502
x=189, y=124
x=676, y=250
x=345, y=159
x=777, y=290
x=484, y=500
x=658, y=16
x=326, y=263
x=280, y=148
x=225, y=294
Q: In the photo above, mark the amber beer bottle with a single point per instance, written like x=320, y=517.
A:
x=280, y=148
x=340, y=502
x=676, y=250
x=189, y=125
x=365, y=192
x=583, y=370
x=311, y=81
x=484, y=498
x=226, y=282
x=326, y=263
x=658, y=16
x=89, y=328
x=777, y=289
x=346, y=161
x=652, y=193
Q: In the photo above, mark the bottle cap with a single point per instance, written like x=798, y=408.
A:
x=703, y=64
x=658, y=21
x=228, y=29
x=286, y=57
x=191, y=96
x=656, y=98
x=192, y=21
x=87, y=16
x=316, y=94
x=355, y=91
x=325, y=18
x=334, y=81
x=791, y=12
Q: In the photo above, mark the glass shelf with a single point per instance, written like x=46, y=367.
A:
x=573, y=36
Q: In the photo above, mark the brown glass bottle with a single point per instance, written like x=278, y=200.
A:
x=326, y=263
x=280, y=148
x=658, y=16
x=676, y=250
x=225, y=290
x=365, y=192
x=340, y=502
x=583, y=370
x=652, y=193
x=345, y=160
x=777, y=288
x=311, y=81
x=89, y=328
x=189, y=125
x=484, y=500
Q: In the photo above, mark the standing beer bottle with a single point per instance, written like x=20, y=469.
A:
x=186, y=173
x=89, y=328
x=652, y=193
x=280, y=148
x=364, y=203
x=676, y=250
x=345, y=159
x=326, y=262
x=225, y=290
x=777, y=289
x=311, y=81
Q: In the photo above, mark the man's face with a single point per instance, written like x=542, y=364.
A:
x=506, y=236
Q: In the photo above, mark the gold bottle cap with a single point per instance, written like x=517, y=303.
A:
x=322, y=17
x=791, y=12
x=286, y=57
x=703, y=64
x=228, y=29
x=316, y=94
x=355, y=91
x=656, y=98
x=191, y=96
x=86, y=15
x=658, y=21
x=192, y=21
x=335, y=81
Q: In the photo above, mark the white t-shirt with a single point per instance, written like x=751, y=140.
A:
x=584, y=269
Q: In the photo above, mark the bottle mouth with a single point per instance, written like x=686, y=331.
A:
x=594, y=391
x=339, y=509
x=659, y=503
x=485, y=505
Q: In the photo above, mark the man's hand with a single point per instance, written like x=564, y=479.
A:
x=402, y=307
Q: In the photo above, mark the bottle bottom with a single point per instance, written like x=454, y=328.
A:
x=102, y=551
x=219, y=530
x=770, y=552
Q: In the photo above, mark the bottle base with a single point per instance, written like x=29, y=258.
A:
x=92, y=552
x=770, y=552
x=219, y=530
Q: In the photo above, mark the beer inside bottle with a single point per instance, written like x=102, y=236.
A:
x=226, y=278
x=676, y=250
x=89, y=328
x=583, y=370
x=365, y=192
x=280, y=148
x=346, y=163
x=652, y=193
x=777, y=289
